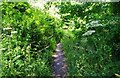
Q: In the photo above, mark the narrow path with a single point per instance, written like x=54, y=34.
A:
x=59, y=66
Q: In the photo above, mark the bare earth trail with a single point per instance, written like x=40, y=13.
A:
x=59, y=66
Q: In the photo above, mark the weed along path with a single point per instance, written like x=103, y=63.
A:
x=59, y=66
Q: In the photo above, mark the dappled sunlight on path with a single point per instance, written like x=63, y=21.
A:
x=59, y=66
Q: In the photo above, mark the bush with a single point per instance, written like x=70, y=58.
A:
x=29, y=37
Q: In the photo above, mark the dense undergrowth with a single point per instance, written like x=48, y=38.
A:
x=28, y=40
x=94, y=44
x=89, y=32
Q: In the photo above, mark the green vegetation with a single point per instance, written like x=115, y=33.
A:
x=28, y=40
x=91, y=44
x=89, y=32
x=94, y=48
